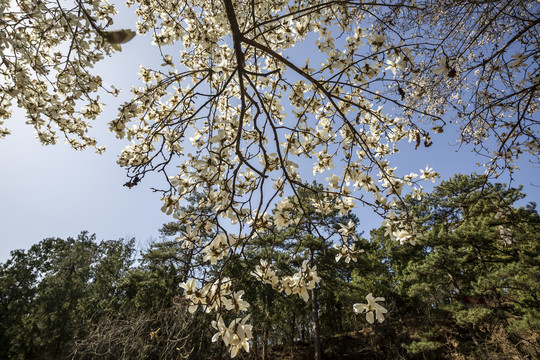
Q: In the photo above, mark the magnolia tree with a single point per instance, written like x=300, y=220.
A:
x=252, y=93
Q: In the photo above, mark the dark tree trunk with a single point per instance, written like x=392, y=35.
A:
x=264, y=345
x=315, y=319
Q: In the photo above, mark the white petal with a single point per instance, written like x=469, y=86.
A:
x=359, y=308
x=380, y=316
x=369, y=317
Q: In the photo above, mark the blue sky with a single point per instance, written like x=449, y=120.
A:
x=59, y=192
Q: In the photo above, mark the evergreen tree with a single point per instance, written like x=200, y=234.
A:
x=50, y=294
x=477, y=264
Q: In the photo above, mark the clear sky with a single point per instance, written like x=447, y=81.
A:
x=58, y=192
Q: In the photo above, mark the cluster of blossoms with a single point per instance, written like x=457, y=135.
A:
x=284, y=214
x=235, y=336
x=347, y=252
x=47, y=52
x=367, y=140
x=211, y=296
x=400, y=230
x=304, y=279
x=220, y=298
x=219, y=248
x=266, y=274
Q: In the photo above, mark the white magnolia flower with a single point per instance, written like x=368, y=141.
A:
x=302, y=281
x=348, y=229
x=443, y=68
x=190, y=286
x=236, y=302
x=223, y=331
x=192, y=293
x=395, y=64
x=429, y=174
x=287, y=284
x=371, y=309
x=404, y=236
x=241, y=334
x=266, y=274
x=348, y=252
x=235, y=336
x=377, y=41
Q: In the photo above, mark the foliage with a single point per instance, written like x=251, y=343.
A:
x=476, y=262
x=151, y=322
x=50, y=293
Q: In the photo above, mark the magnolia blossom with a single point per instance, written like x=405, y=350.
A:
x=235, y=336
x=218, y=248
x=212, y=296
x=302, y=281
x=190, y=238
x=429, y=174
x=236, y=302
x=404, y=236
x=372, y=309
x=400, y=230
x=348, y=252
x=347, y=229
x=191, y=292
x=266, y=274
x=377, y=41
x=443, y=68
x=395, y=64
x=283, y=216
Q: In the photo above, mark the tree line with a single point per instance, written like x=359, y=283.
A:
x=469, y=287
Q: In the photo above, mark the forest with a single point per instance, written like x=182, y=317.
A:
x=467, y=289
